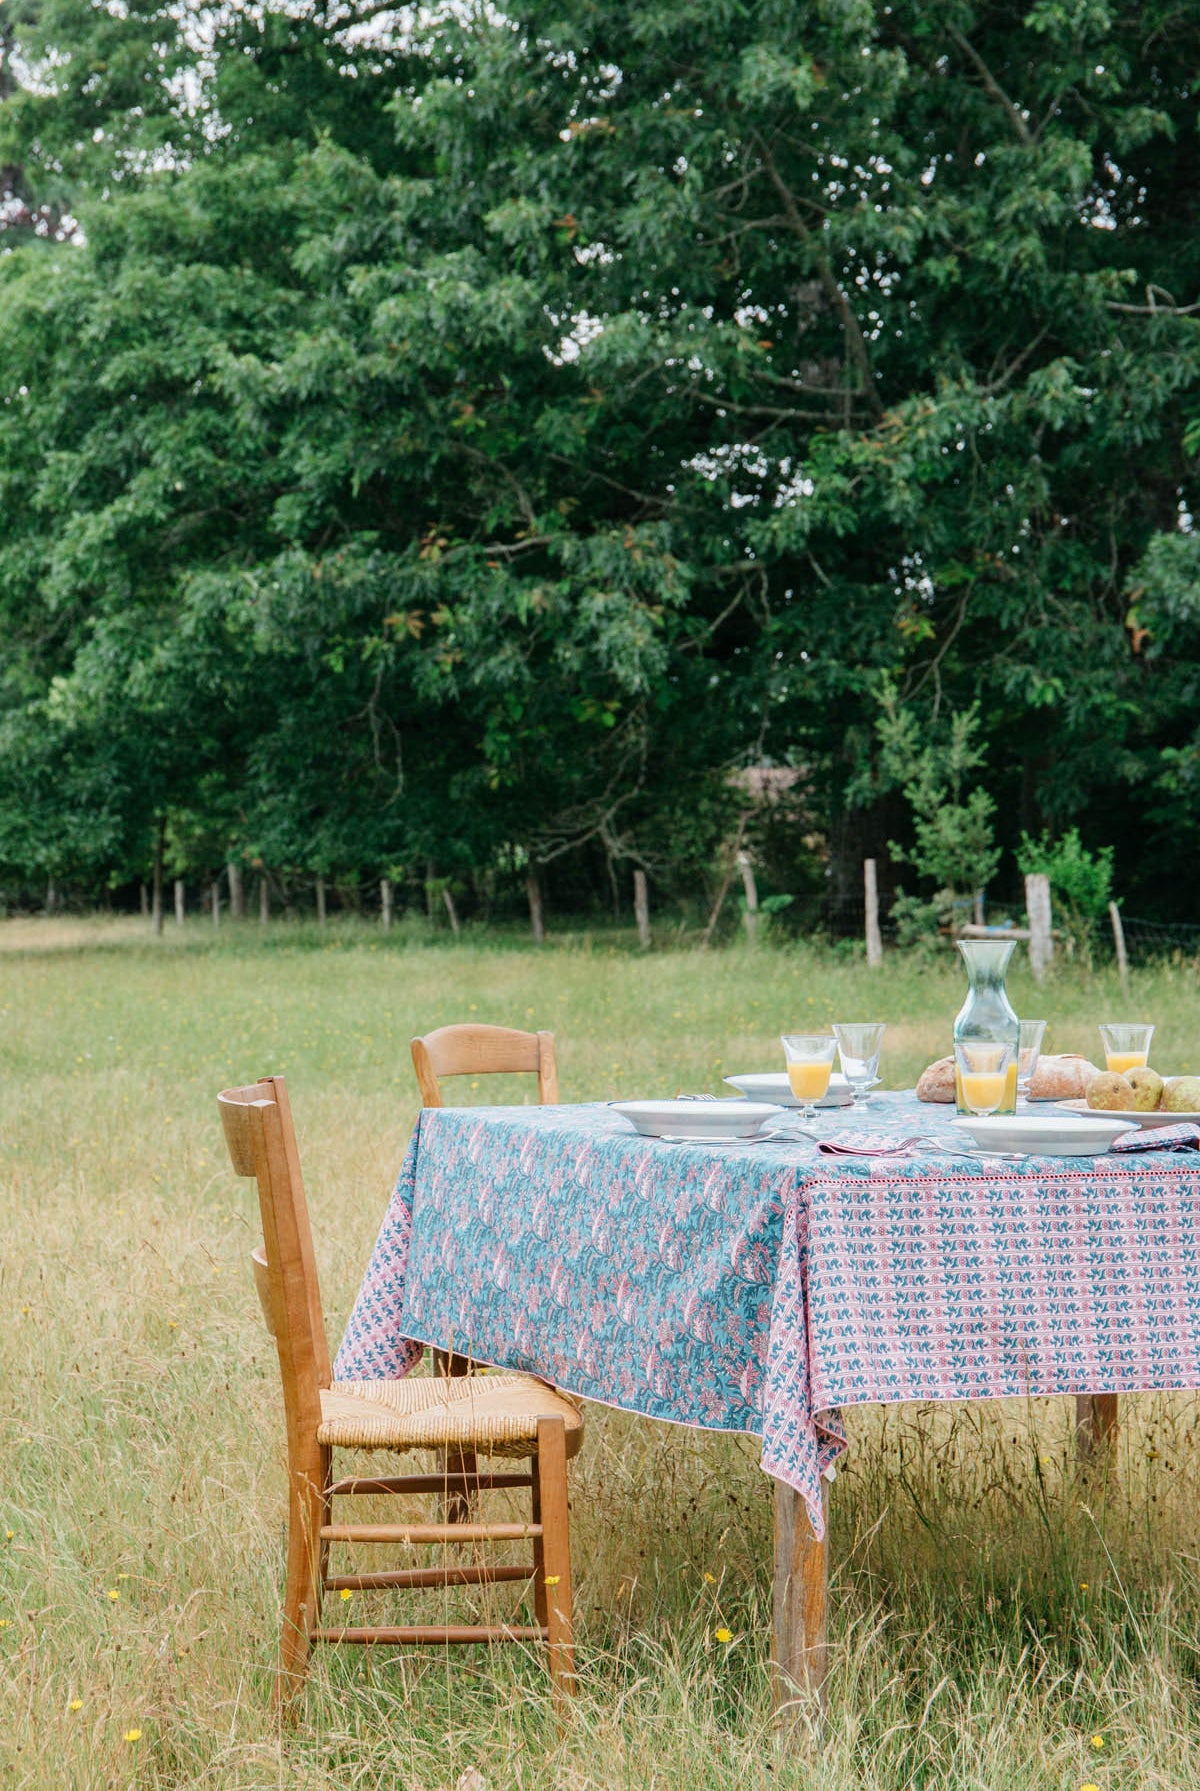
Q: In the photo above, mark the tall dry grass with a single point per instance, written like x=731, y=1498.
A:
x=994, y=1617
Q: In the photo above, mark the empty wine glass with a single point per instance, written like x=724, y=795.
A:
x=809, y=1058
x=858, y=1047
x=1028, y=1051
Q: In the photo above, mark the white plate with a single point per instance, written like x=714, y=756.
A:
x=1046, y=1134
x=1157, y=1118
x=773, y=1085
x=696, y=1119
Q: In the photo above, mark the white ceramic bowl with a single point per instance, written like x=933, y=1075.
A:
x=773, y=1085
x=697, y=1119
x=1045, y=1134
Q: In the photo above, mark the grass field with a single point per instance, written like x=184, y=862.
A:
x=997, y=1622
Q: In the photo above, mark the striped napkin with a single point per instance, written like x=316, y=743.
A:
x=1181, y=1137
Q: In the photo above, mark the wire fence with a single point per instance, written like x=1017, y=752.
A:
x=1146, y=941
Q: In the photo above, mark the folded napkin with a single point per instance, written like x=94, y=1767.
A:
x=1182, y=1137
x=867, y=1144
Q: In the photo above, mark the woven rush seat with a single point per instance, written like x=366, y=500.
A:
x=496, y=1414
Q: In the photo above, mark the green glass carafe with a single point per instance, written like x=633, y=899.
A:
x=987, y=1016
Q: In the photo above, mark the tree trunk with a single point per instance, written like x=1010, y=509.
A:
x=179, y=908
x=237, y=894
x=750, y=885
x=156, y=895
x=214, y=896
x=51, y=897
x=452, y=911
x=144, y=901
x=385, y=901
x=321, y=901
x=264, y=900
x=641, y=909
x=537, y=916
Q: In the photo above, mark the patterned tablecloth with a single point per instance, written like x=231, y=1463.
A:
x=761, y=1287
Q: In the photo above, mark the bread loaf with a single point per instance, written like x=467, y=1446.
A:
x=1063, y=1078
x=937, y=1082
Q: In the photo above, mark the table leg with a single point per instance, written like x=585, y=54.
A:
x=1095, y=1427
x=801, y=1616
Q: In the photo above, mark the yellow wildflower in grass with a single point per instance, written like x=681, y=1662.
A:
x=1083, y=1585
x=8, y=1535
x=75, y=1704
x=5, y=1622
x=710, y=1579
x=723, y=1635
x=346, y=1594
x=113, y=1594
x=1097, y=1741
x=552, y=1579
x=1089, y=1787
x=133, y=1734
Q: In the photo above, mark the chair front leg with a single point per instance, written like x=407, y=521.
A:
x=554, y=1565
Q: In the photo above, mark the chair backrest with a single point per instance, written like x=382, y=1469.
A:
x=261, y=1138
x=483, y=1051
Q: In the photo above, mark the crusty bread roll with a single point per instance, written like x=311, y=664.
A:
x=1063, y=1078
x=937, y=1082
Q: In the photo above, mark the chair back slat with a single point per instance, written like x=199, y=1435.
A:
x=471, y=1050
x=260, y=1134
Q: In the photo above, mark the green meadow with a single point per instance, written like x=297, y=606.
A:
x=998, y=1621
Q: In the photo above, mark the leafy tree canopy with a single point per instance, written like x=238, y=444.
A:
x=460, y=438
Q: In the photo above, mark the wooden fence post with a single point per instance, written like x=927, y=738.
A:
x=537, y=913
x=750, y=885
x=264, y=900
x=215, y=898
x=385, y=901
x=179, y=907
x=1114, y=914
x=1041, y=931
x=321, y=901
x=871, y=902
x=156, y=893
x=641, y=910
x=237, y=897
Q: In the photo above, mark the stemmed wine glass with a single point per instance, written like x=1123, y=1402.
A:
x=1029, y=1050
x=809, y=1059
x=858, y=1047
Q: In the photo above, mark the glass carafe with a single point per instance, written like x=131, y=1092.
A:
x=987, y=1015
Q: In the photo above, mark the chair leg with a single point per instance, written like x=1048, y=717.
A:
x=550, y=1473
x=308, y=1506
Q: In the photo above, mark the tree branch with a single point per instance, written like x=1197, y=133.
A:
x=1016, y=119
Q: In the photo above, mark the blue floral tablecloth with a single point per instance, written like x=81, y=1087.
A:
x=762, y=1287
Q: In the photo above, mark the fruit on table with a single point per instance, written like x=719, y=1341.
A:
x=1147, y=1086
x=1110, y=1093
x=1182, y=1095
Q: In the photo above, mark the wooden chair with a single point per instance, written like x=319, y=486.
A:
x=495, y=1414
x=482, y=1051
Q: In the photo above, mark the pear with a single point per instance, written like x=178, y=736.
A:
x=1147, y=1086
x=1110, y=1093
x=1182, y=1095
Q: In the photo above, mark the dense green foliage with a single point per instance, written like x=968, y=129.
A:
x=453, y=442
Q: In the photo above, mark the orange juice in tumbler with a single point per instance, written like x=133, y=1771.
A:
x=810, y=1081
x=1120, y=1061
x=1008, y=1103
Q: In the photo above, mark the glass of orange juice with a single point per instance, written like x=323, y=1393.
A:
x=1126, y=1047
x=809, y=1057
x=983, y=1074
